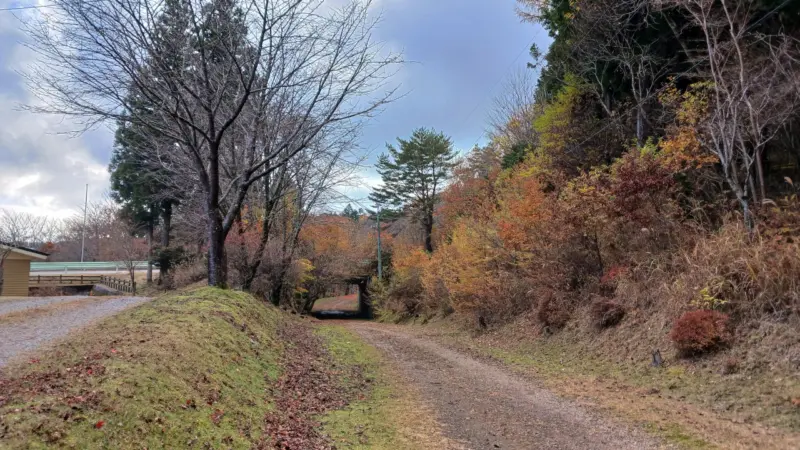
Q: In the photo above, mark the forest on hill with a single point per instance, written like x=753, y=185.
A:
x=646, y=184
x=641, y=173
x=616, y=266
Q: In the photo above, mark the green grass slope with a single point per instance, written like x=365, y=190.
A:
x=191, y=369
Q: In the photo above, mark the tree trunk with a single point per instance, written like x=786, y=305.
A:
x=150, y=227
x=752, y=184
x=428, y=230
x=166, y=218
x=760, y=173
x=269, y=205
x=277, y=290
x=217, y=269
x=640, y=126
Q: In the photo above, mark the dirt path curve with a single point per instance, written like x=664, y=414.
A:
x=485, y=407
x=27, y=323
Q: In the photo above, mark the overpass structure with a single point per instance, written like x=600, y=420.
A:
x=365, y=310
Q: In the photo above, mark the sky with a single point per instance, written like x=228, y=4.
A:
x=458, y=53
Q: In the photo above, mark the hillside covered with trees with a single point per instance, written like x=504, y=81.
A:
x=641, y=196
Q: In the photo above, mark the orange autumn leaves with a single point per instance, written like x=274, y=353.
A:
x=490, y=223
x=507, y=237
x=338, y=246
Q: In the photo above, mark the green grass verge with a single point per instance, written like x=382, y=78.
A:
x=189, y=369
x=369, y=421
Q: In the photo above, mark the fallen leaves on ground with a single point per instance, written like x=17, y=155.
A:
x=309, y=387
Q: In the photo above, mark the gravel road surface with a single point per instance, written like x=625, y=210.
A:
x=484, y=407
x=22, y=334
x=22, y=303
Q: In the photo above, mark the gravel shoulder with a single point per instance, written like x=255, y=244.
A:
x=27, y=334
x=10, y=305
x=483, y=406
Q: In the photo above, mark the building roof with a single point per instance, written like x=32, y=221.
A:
x=24, y=251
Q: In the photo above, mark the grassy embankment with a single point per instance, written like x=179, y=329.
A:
x=187, y=369
x=688, y=403
x=194, y=369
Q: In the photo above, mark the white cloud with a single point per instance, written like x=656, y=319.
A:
x=42, y=169
x=43, y=172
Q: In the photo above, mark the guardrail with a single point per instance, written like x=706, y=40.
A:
x=119, y=284
x=82, y=280
x=84, y=266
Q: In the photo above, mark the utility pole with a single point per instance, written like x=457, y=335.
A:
x=83, y=229
x=380, y=262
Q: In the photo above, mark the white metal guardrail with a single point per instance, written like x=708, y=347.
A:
x=66, y=267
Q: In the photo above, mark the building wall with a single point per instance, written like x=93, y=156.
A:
x=16, y=275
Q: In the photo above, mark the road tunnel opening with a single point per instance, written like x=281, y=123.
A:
x=354, y=301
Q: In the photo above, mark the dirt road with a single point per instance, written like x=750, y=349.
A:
x=484, y=407
x=27, y=323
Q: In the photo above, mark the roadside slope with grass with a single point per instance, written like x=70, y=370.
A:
x=209, y=368
x=189, y=368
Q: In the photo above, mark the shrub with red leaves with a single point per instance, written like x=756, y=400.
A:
x=607, y=313
x=701, y=331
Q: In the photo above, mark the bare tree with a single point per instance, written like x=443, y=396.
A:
x=19, y=229
x=753, y=89
x=228, y=91
x=513, y=112
x=283, y=204
x=613, y=43
x=128, y=247
x=616, y=40
x=95, y=235
x=27, y=230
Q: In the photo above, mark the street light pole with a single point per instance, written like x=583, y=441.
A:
x=83, y=229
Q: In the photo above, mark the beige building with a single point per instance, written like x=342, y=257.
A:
x=15, y=269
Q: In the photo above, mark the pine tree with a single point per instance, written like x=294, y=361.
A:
x=414, y=174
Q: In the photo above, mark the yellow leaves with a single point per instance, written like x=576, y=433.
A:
x=682, y=148
x=464, y=266
x=406, y=258
x=707, y=300
x=304, y=269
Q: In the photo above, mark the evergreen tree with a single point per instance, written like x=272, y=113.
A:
x=414, y=174
x=352, y=213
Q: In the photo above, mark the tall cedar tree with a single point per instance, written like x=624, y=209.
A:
x=415, y=174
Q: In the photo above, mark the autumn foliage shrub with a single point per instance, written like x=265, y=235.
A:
x=552, y=313
x=404, y=294
x=606, y=313
x=700, y=331
x=755, y=276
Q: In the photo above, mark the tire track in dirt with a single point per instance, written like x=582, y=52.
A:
x=485, y=407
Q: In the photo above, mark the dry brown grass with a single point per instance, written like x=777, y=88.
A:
x=187, y=274
x=756, y=277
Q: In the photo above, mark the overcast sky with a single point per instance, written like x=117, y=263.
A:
x=459, y=53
